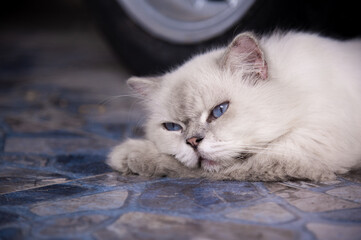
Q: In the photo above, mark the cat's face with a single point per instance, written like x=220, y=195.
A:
x=210, y=113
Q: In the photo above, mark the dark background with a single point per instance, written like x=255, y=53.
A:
x=338, y=19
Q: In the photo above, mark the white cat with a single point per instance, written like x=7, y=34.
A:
x=275, y=108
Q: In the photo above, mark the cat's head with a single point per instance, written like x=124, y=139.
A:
x=218, y=108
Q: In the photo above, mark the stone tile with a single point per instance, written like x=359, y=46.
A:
x=58, y=145
x=276, y=186
x=352, y=193
x=100, y=201
x=329, y=183
x=354, y=176
x=72, y=225
x=82, y=164
x=94, y=109
x=138, y=225
x=46, y=120
x=2, y=139
x=130, y=129
x=309, y=201
x=7, y=217
x=28, y=160
x=112, y=179
x=35, y=195
x=183, y=196
x=11, y=233
x=347, y=215
x=335, y=232
x=118, y=113
x=13, y=101
x=264, y=213
x=18, y=179
x=116, y=131
x=85, y=82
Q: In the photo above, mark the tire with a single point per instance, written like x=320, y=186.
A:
x=144, y=52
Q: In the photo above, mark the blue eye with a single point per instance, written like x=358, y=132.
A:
x=172, y=126
x=220, y=109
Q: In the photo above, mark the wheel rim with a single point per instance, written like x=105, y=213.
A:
x=186, y=21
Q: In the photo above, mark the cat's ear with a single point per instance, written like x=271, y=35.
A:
x=244, y=53
x=144, y=86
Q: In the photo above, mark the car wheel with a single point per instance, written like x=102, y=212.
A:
x=152, y=36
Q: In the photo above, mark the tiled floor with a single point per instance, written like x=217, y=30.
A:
x=58, y=119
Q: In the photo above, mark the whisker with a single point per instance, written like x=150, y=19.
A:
x=112, y=98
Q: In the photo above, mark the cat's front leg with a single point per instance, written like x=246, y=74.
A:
x=142, y=157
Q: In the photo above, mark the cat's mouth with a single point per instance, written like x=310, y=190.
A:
x=212, y=165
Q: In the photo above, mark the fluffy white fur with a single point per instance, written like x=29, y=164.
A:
x=294, y=112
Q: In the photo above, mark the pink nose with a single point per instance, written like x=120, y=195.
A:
x=194, y=141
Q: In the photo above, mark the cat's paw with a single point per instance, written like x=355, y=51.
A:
x=135, y=157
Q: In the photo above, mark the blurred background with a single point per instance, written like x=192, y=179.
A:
x=152, y=36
